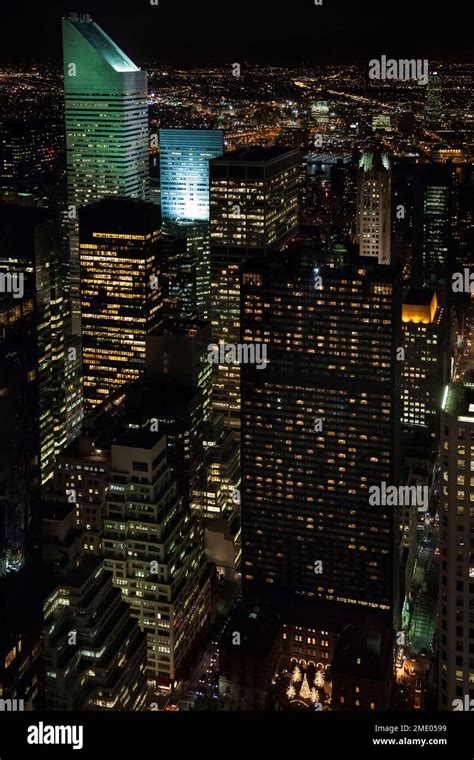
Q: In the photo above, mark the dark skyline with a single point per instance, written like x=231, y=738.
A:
x=186, y=33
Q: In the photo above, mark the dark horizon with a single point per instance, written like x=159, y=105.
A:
x=209, y=33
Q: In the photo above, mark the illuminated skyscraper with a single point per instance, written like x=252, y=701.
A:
x=106, y=126
x=433, y=220
x=373, y=205
x=254, y=209
x=319, y=428
x=153, y=545
x=95, y=654
x=457, y=564
x=27, y=153
x=184, y=172
x=120, y=292
x=28, y=251
x=423, y=373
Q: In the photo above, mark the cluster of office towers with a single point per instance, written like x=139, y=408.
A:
x=141, y=467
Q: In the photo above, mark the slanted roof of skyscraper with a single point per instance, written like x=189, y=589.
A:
x=106, y=47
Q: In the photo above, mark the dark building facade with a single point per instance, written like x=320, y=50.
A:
x=433, y=210
x=319, y=428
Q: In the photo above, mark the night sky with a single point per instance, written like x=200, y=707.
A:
x=288, y=31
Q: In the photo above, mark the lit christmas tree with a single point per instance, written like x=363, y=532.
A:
x=291, y=691
x=305, y=692
x=296, y=678
x=319, y=679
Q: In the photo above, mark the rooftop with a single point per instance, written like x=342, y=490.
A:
x=139, y=439
x=120, y=216
x=364, y=651
x=458, y=402
x=102, y=43
x=52, y=509
x=258, y=629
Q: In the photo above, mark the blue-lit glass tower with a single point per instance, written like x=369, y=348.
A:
x=184, y=170
x=184, y=173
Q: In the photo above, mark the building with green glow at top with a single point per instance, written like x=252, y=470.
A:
x=106, y=126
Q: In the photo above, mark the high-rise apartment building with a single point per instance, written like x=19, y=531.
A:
x=374, y=205
x=82, y=473
x=153, y=545
x=320, y=428
x=456, y=640
x=106, y=126
x=95, y=654
x=120, y=292
x=254, y=209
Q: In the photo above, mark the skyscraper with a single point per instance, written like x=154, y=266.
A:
x=120, y=291
x=433, y=201
x=319, y=429
x=424, y=370
x=27, y=153
x=28, y=253
x=178, y=351
x=20, y=441
x=106, y=126
x=166, y=583
x=184, y=172
x=457, y=566
x=95, y=654
x=374, y=205
x=254, y=209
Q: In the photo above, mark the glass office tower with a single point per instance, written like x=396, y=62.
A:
x=106, y=126
x=434, y=214
x=184, y=168
x=184, y=171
